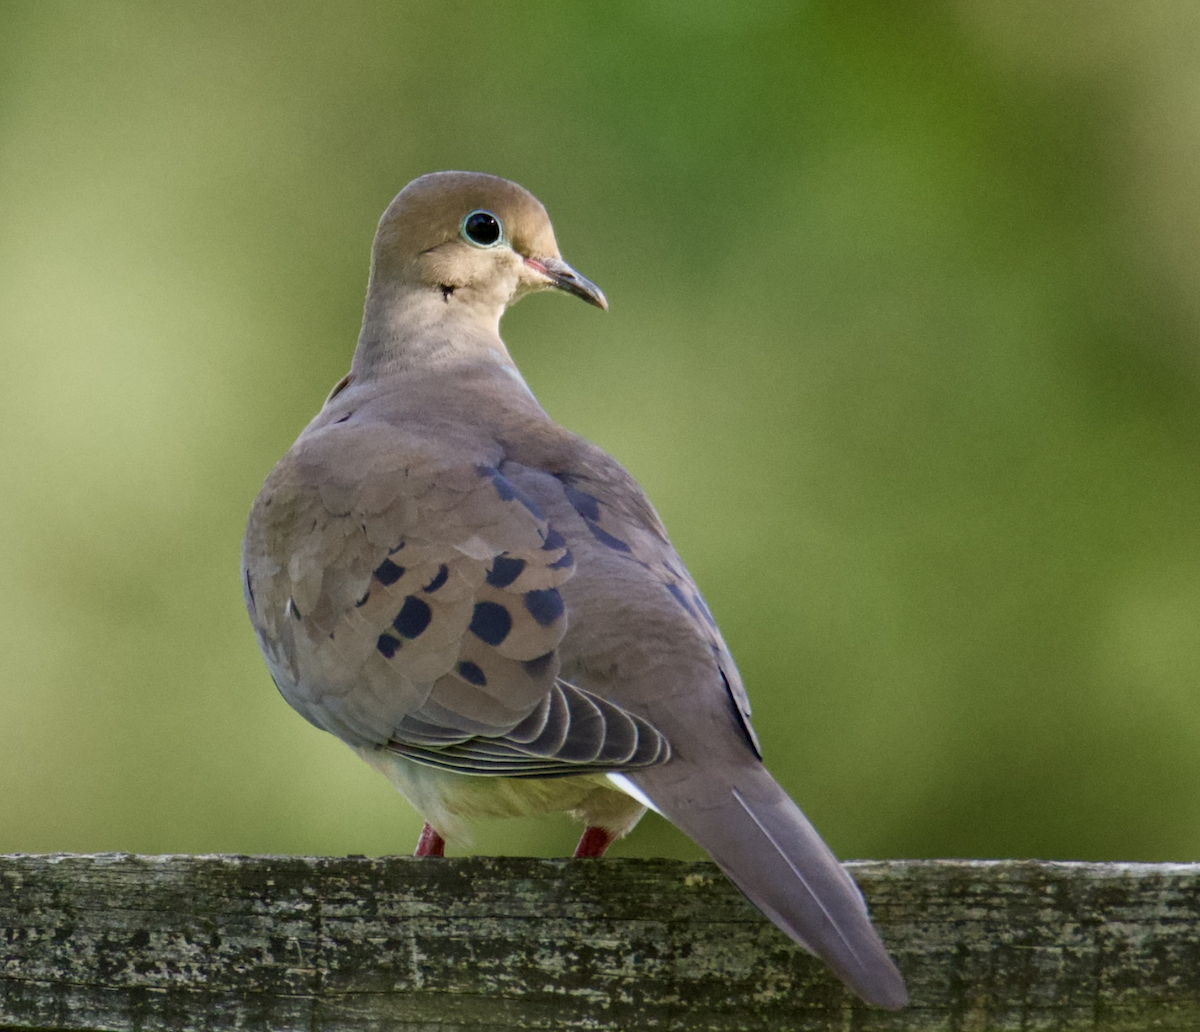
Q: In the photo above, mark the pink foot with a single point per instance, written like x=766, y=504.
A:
x=430, y=843
x=593, y=843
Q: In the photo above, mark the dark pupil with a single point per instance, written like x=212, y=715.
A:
x=483, y=228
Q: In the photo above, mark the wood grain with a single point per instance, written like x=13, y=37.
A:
x=118, y=942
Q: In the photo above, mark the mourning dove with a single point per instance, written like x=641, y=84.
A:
x=486, y=607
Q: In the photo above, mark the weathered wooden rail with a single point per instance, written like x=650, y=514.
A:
x=219, y=943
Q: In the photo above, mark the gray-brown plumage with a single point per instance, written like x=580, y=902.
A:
x=487, y=608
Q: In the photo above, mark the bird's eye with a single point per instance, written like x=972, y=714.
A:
x=482, y=229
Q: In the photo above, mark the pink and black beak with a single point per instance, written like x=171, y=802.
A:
x=563, y=277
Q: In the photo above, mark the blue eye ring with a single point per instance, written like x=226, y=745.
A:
x=480, y=228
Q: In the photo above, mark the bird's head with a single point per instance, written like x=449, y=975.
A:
x=467, y=237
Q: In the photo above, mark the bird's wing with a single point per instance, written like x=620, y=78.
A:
x=408, y=598
x=715, y=788
x=618, y=517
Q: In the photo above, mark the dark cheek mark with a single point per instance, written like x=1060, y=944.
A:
x=537, y=667
x=387, y=645
x=681, y=598
x=490, y=622
x=438, y=581
x=387, y=572
x=505, y=569
x=472, y=673
x=544, y=606
x=605, y=538
x=413, y=618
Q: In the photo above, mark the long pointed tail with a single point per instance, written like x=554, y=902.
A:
x=768, y=848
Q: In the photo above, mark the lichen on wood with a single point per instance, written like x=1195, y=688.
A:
x=116, y=941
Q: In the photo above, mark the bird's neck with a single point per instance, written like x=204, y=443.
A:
x=417, y=328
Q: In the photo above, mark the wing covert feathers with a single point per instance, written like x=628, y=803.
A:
x=419, y=610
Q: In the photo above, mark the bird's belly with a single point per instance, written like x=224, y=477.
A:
x=448, y=801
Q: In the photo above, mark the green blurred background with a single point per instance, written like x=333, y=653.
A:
x=903, y=344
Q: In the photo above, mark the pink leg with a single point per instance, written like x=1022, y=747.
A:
x=430, y=843
x=593, y=843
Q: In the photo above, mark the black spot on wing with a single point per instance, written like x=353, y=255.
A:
x=438, y=581
x=605, y=538
x=472, y=673
x=505, y=569
x=566, y=561
x=393, y=551
x=681, y=598
x=702, y=606
x=358, y=603
x=295, y=610
x=529, y=503
x=544, y=606
x=490, y=622
x=387, y=645
x=387, y=572
x=502, y=484
x=508, y=491
x=413, y=617
x=553, y=542
x=588, y=506
x=742, y=715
